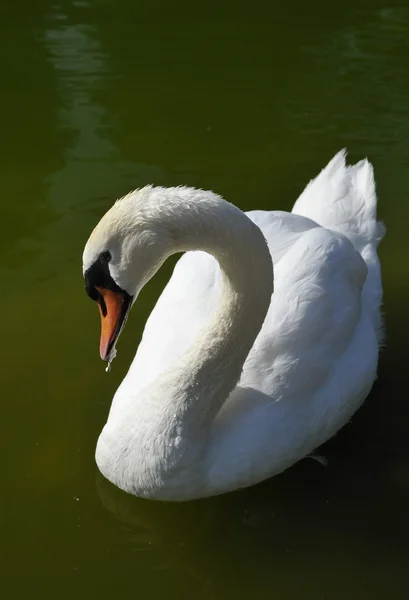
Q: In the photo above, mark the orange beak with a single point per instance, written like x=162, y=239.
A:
x=113, y=308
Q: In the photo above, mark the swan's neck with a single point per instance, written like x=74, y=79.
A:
x=179, y=407
x=202, y=379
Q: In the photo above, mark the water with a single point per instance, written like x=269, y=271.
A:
x=100, y=97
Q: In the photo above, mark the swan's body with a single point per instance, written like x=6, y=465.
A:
x=232, y=384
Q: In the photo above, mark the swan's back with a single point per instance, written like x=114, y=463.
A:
x=327, y=281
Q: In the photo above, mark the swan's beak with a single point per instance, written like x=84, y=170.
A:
x=114, y=308
x=114, y=304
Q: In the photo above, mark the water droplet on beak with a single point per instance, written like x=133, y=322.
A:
x=108, y=367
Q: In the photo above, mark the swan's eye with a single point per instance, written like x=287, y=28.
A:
x=105, y=257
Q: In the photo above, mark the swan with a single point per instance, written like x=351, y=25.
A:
x=233, y=382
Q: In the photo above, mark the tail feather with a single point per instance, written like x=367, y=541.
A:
x=343, y=198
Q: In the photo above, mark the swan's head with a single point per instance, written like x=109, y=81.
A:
x=124, y=251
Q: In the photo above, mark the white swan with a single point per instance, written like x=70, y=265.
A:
x=232, y=384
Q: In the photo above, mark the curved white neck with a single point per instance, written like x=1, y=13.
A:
x=204, y=376
x=182, y=403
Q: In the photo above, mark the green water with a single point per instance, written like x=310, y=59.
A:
x=98, y=97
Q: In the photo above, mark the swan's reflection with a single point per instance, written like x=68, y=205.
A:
x=185, y=541
x=311, y=521
x=150, y=523
x=236, y=541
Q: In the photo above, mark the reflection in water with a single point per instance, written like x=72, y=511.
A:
x=79, y=66
x=259, y=537
x=85, y=185
x=29, y=105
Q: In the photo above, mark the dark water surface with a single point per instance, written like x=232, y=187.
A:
x=98, y=97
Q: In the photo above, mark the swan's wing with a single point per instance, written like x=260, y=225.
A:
x=191, y=295
x=313, y=315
